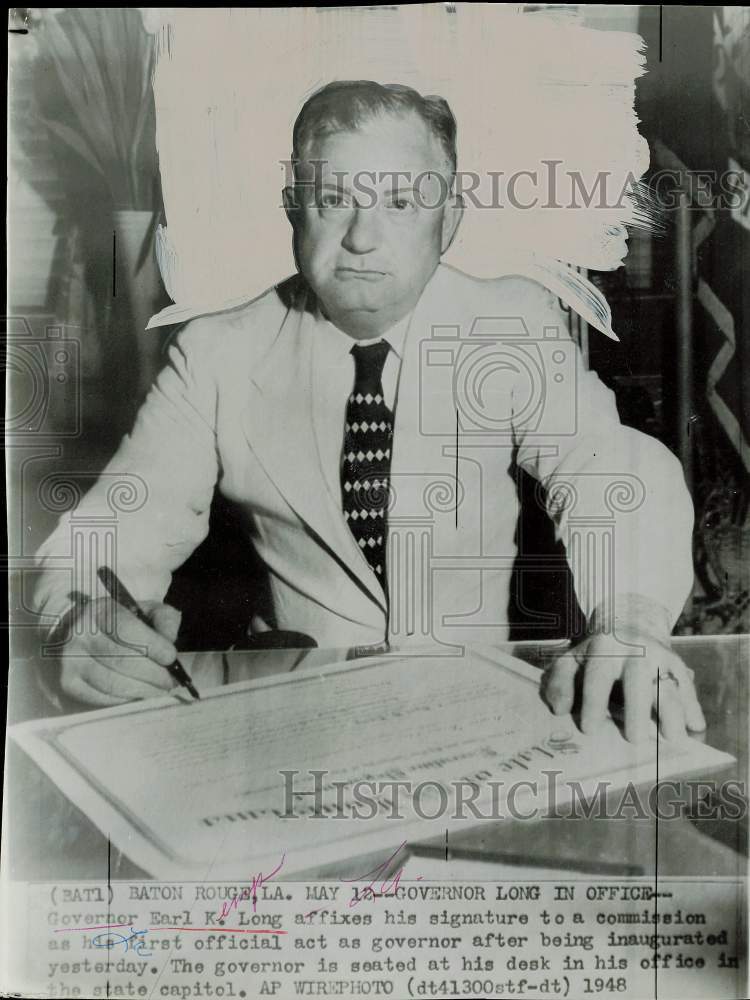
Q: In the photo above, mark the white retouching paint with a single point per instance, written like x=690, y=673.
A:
x=530, y=92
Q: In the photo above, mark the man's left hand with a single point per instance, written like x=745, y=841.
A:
x=654, y=679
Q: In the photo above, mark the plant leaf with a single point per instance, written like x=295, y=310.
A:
x=79, y=73
x=112, y=37
x=72, y=74
x=145, y=106
x=71, y=138
x=94, y=63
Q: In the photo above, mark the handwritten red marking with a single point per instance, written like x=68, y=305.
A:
x=368, y=892
x=257, y=882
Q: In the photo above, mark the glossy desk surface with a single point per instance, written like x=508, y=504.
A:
x=46, y=837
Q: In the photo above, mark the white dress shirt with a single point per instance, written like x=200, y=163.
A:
x=334, y=366
x=232, y=407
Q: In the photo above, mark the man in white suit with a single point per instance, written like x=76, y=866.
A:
x=364, y=415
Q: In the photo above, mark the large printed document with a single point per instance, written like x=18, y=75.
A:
x=333, y=762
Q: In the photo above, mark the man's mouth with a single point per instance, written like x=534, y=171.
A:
x=360, y=273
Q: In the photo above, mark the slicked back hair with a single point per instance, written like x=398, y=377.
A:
x=345, y=105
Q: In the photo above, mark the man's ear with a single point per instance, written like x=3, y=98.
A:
x=452, y=215
x=291, y=206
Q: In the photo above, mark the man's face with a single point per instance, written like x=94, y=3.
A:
x=372, y=220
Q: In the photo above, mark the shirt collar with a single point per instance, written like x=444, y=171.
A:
x=341, y=343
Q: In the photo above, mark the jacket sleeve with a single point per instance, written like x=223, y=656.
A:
x=149, y=507
x=617, y=497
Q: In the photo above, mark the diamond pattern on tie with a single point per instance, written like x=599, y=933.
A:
x=366, y=464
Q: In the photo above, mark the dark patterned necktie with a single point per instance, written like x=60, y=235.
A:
x=366, y=465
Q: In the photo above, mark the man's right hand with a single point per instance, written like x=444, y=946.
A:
x=96, y=665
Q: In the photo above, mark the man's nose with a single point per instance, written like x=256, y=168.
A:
x=363, y=232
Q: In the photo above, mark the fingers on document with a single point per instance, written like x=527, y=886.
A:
x=676, y=701
x=669, y=709
x=638, y=692
x=120, y=627
x=98, y=684
x=665, y=688
x=677, y=706
x=138, y=668
x=694, y=717
x=165, y=620
x=559, y=684
x=600, y=674
x=83, y=692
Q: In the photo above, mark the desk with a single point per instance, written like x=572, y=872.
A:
x=47, y=838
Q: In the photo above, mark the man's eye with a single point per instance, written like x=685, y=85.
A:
x=401, y=205
x=330, y=200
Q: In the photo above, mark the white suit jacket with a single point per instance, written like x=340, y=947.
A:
x=489, y=374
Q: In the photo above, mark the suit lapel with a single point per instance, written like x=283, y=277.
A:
x=279, y=423
x=281, y=426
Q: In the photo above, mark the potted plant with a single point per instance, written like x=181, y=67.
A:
x=101, y=60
